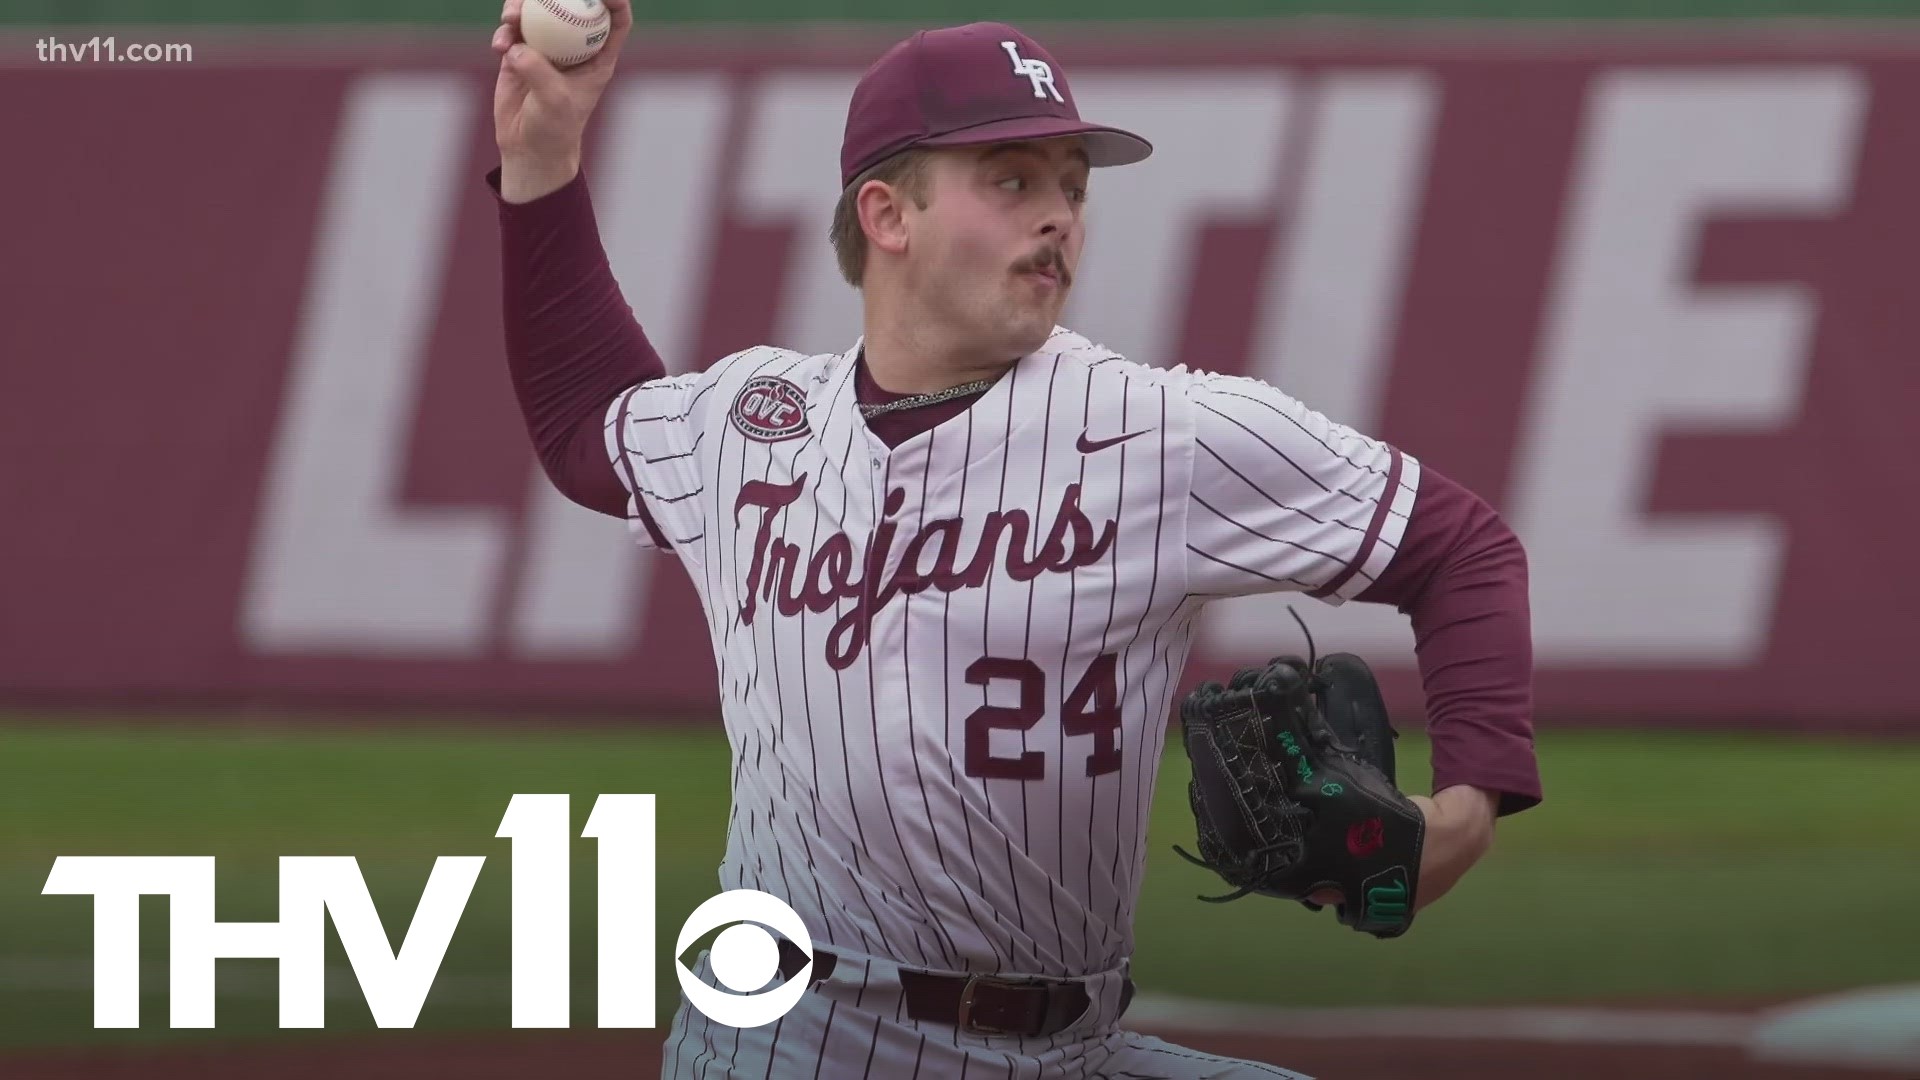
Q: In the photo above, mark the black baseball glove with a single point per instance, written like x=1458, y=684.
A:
x=1293, y=790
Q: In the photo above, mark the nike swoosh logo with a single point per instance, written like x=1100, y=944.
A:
x=1088, y=446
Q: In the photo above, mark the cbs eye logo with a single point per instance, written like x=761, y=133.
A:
x=744, y=958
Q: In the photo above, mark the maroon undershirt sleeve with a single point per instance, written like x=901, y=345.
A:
x=1460, y=574
x=572, y=341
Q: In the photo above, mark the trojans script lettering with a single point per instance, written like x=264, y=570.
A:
x=794, y=582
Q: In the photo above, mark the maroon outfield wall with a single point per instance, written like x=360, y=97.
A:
x=1654, y=299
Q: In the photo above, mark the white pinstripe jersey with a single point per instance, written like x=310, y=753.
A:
x=946, y=667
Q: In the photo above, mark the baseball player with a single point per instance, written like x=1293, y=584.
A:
x=950, y=574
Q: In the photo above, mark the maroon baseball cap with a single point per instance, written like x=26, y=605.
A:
x=965, y=86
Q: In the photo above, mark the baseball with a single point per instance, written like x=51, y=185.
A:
x=567, y=32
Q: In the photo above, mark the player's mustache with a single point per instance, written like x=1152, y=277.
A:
x=1051, y=258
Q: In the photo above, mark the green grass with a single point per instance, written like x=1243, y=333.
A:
x=1660, y=867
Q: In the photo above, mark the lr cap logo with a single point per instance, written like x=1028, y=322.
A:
x=1039, y=71
x=770, y=409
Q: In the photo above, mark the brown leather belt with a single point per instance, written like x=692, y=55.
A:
x=981, y=1004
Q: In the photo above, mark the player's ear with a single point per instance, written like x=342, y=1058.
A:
x=882, y=208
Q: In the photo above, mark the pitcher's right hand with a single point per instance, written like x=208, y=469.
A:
x=540, y=112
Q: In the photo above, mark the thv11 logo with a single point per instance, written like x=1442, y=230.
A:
x=744, y=957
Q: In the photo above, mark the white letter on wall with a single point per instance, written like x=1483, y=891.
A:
x=1216, y=159
x=1633, y=351
x=336, y=566
x=792, y=176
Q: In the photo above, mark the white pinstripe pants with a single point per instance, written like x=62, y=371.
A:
x=852, y=1026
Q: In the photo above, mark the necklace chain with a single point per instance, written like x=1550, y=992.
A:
x=917, y=400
